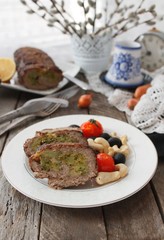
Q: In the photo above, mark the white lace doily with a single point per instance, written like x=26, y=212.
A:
x=148, y=114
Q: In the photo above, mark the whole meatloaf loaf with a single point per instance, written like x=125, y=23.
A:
x=57, y=135
x=35, y=69
x=64, y=165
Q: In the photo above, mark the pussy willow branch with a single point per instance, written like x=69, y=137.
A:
x=31, y=10
x=126, y=20
x=125, y=30
x=141, y=3
x=68, y=14
x=64, y=26
x=114, y=24
x=114, y=12
x=57, y=16
x=40, y=4
x=85, y=11
x=94, y=16
x=56, y=5
x=106, y=11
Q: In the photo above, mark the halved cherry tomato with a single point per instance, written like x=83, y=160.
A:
x=91, y=128
x=105, y=162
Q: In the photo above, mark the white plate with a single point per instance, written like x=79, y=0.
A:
x=67, y=68
x=141, y=163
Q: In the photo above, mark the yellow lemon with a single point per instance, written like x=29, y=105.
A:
x=7, y=69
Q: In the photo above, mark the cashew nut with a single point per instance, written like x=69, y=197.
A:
x=124, y=149
x=103, y=142
x=116, y=149
x=113, y=134
x=124, y=140
x=107, y=177
x=95, y=146
x=110, y=151
x=123, y=169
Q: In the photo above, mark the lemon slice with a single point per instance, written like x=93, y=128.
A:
x=7, y=69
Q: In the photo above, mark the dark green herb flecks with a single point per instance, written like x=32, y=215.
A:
x=49, y=138
x=54, y=160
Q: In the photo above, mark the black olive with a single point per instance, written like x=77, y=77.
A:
x=74, y=126
x=115, y=141
x=105, y=136
x=119, y=158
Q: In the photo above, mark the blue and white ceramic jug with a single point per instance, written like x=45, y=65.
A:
x=125, y=71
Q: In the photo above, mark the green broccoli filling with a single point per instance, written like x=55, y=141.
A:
x=54, y=160
x=51, y=77
x=49, y=138
x=32, y=76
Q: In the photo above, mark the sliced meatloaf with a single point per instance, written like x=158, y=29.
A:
x=64, y=165
x=35, y=69
x=57, y=135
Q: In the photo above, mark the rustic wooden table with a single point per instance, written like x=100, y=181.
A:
x=139, y=217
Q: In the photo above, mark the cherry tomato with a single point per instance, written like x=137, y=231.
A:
x=105, y=163
x=84, y=100
x=91, y=128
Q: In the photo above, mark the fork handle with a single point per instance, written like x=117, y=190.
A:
x=16, y=123
x=11, y=115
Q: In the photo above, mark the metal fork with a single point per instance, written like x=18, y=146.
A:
x=34, y=106
x=65, y=94
x=51, y=109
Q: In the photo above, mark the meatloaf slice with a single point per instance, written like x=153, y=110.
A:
x=64, y=165
x=58, y=135
x=36, y=70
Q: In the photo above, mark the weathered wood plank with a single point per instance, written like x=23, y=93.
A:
x=135, y=218
x=100, y=106
x=10, y=99
x=69, y=224
x=158, y=183
x=9, y=102
x=20, y=216
x=73, y=107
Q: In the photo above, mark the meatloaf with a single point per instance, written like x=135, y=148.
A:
x=57, y=135
x=35, y=69
x=64, y=165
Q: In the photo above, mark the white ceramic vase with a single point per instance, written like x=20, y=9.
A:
x=92, y=52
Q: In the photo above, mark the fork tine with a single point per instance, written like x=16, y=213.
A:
x=54, y=108
x=65, y=94
x=50, y=109
x=46, y=112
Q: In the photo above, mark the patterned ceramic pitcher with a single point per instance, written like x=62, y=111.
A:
x=125, y=70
